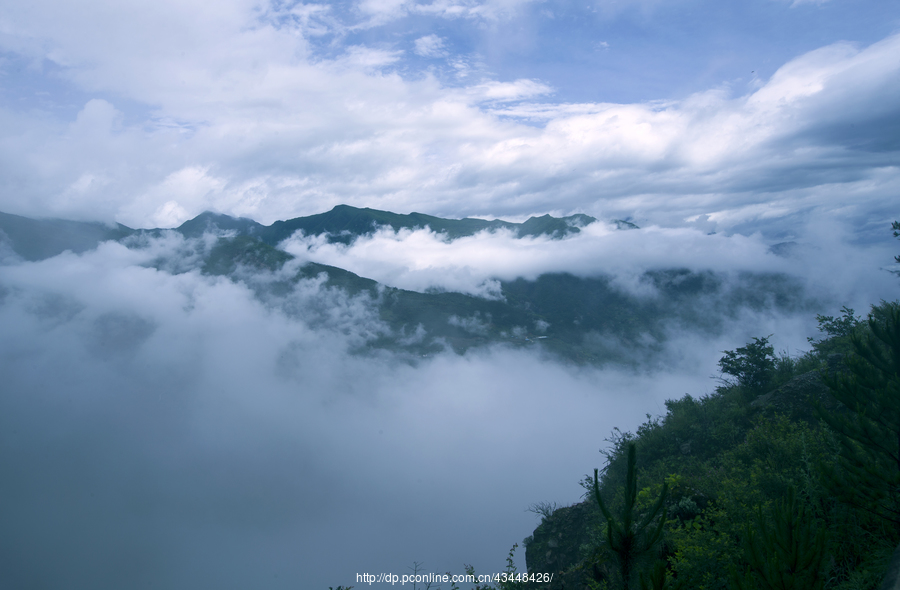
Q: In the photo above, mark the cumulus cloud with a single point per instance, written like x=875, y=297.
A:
x=279, y=130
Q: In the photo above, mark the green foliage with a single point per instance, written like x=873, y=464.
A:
x=630, y=540
x=868, y=428
x=788, y=554
x=745, y=493
x=552, y=226
x=775, y=455
x=840, y=327
x=701, y=549
x=838, y=331
x=785, y=368
x=229, y=253
x=657, y=578
x=752, y=365
x=344, y=223
x=896, y=227
x=37, y=239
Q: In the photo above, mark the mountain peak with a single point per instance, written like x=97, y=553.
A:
x=209, y=221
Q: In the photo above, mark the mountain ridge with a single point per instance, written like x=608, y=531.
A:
x=586, y=320
x=343, y=223
x=37, y=239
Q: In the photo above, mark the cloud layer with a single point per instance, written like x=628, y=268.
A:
x=236, y=109
x=169, y=430
x=822, y=255
x=163, y=428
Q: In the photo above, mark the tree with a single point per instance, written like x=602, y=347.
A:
x=896, y=227
x=631, y=543
x=867, y=474
x=789, y=554
x=752, y=365
x=837, y=332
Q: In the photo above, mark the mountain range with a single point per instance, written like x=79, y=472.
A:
x=37, y=239
x=582, y=319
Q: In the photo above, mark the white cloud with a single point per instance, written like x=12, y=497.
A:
x=430, y=46
x=474, y=324
x=280, y=133
x=366, y=58
x=384, y=11
x=190, y=187
x=196, y=427
x=196, y=432
x=161, y=403
x=97, y=117
x=421, y=260
x=511, y=91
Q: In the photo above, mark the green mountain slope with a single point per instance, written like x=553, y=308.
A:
x=775, y=484
x=216, y=223
x=583, y=319
x=344, y=223
x=37, y=239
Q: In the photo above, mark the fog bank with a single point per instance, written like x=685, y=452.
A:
x=172, y=430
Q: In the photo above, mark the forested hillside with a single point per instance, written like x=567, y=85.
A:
x=786, y=477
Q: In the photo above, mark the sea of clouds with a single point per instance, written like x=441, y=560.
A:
x=160, y=428
x=164, y=428
x=823, y=253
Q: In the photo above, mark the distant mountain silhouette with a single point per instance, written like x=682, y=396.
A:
x=584, y=319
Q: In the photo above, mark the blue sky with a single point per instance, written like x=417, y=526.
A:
x=761, y=114
x=637, y=51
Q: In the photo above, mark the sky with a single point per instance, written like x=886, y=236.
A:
x=160, y=428
x=743, y=117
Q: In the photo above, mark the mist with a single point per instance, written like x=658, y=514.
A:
x=165, y=428
x=825, y=254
